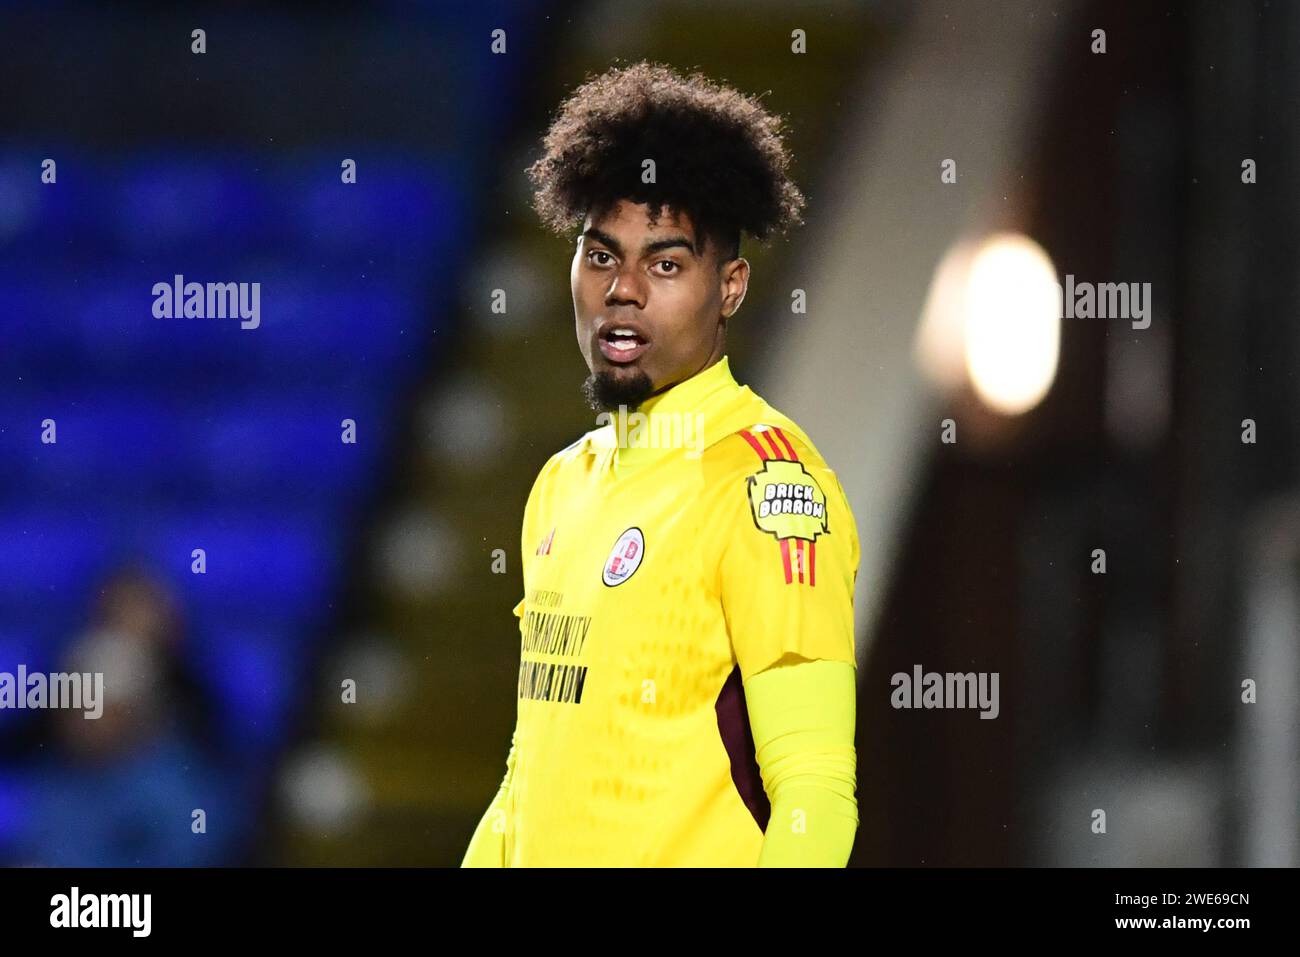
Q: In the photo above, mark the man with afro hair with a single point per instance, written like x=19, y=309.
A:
x=687, y=675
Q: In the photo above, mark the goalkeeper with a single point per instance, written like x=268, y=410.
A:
x=687, y=675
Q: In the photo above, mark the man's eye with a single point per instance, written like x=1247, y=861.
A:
x=597, y=252
x=669, y=262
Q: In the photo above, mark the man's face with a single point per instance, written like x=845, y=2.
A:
x=650, y=305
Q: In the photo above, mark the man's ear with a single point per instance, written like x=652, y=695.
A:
x=735, y=283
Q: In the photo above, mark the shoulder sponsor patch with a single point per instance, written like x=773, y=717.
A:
x=787, y=502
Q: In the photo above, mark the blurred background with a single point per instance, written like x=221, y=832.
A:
x=1103, y=512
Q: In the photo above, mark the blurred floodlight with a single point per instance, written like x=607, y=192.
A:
x=992, y=318
x=1013, y=323
x=940, y=341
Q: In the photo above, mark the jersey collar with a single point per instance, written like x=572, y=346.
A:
x=694, y=394
x=683, y=420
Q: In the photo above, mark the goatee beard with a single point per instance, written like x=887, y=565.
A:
x=605, y=391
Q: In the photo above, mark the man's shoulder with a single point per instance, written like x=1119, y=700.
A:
x=584, y=444
x=767, y=445
x=578, y=446
x=770, y=471
x=764, y=434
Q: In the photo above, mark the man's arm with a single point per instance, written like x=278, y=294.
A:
x=487, y=848
x=802, y=715
x=786, y=575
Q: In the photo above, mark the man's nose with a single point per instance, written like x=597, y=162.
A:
x=625, y=287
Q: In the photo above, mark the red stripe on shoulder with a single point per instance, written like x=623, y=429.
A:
x=789, y=449
x=776, y=452
x=755, y=444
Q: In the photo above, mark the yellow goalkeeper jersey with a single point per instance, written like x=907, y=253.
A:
x=668, y=556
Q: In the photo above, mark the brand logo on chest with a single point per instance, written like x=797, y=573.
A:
x=624, y=558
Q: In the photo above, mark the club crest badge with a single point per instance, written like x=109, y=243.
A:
x=624, y=558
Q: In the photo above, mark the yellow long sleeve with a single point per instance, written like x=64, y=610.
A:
x=802, y=715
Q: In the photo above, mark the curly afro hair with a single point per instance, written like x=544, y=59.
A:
x=718, y=154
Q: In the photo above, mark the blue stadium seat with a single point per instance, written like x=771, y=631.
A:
x=258, y=681
x=268, y=565
x=273, y=448
x=176, y=433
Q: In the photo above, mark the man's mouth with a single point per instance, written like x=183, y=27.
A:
x=620, y=345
